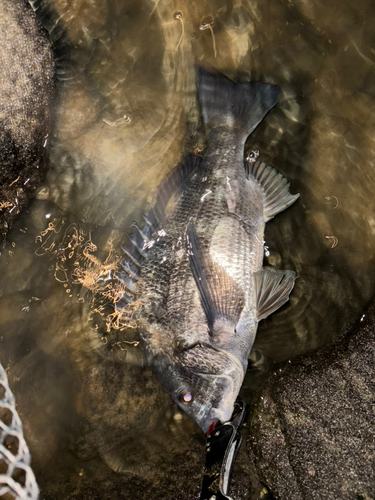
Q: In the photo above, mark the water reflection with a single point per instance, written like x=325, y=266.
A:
x=125, y=116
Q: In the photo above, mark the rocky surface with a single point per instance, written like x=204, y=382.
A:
x=26, y=91
x=313, y=425
x=310, y=433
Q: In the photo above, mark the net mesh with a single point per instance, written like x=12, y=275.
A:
x=17, y=480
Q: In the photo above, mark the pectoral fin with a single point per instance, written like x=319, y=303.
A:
x=221, y=296
x=272, y=289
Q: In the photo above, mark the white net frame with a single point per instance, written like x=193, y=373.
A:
x=14, y=459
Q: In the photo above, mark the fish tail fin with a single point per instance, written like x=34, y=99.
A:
x=225, y=103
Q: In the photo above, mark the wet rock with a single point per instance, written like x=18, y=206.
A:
x=313, y=425
x=26, y=89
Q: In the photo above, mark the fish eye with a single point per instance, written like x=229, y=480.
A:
x=185, y=397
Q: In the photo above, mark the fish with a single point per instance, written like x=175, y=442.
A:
x=193, y=274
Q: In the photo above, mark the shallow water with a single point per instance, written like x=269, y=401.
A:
x=126, y=114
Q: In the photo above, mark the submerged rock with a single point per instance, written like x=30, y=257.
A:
x=26, y=90
x=313, y=425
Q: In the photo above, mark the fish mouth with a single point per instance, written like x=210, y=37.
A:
x=217, y=416
x=222, y=410
x=213, y=426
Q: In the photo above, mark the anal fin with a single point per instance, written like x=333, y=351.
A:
x=272, y=289
x=221, y=297
x=275, y=187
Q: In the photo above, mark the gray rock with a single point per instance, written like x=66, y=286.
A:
x=26, y=90
x=313, y=425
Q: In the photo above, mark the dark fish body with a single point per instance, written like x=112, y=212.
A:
x=201, y=287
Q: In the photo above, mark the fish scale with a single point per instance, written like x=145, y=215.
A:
x=202, y=289
x=181, y=296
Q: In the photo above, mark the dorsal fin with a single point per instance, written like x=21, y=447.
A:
x=140, y=240
x=275, y=187
x=221, y=297
x=171, y=186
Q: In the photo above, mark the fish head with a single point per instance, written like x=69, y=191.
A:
x=202, y=380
